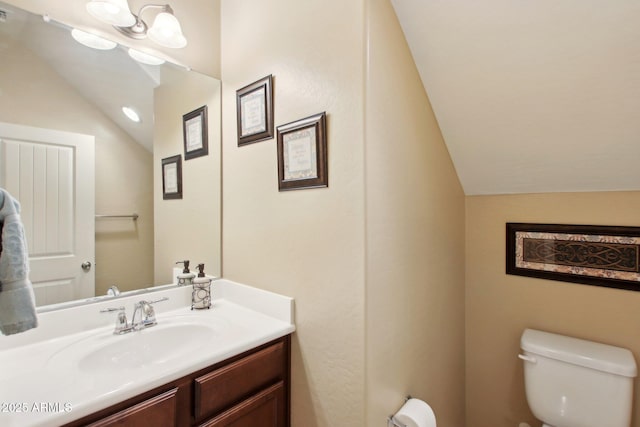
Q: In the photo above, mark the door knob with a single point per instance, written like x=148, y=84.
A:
x=86, y=266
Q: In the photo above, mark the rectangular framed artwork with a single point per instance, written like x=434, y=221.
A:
x=254, y=105
x=195, y=130
x=302, y=154
x=172, y=178
x=589, y=254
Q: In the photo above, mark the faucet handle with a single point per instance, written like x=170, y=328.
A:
x=111, y=309
x=159, y=300
x=147, y=313
x=122, y=325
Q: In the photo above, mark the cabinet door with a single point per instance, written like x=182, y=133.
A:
x=265, y=409
x=225, y=387
x=159, y=411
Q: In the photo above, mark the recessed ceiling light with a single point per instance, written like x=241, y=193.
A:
x=92, y=41
x=145, y=58
x=131, y=114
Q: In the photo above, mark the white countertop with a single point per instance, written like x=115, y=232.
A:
x=42, y=386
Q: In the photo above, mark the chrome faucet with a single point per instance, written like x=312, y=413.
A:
x=147, y=314
x=122, y=326
x=113, y=291
x=147, y=317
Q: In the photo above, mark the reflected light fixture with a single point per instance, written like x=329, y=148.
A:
x=131, y=114
x=165, y=31
x=92, y=41
x=145, y=58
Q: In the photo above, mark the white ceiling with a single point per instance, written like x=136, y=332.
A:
x=532, y=95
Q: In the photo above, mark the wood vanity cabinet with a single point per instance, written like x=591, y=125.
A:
x=248, y=390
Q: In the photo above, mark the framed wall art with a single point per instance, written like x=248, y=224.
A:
x=589, y=254
x=302, y=154
x=172, y=177
x=195, y=131
x=254, y=105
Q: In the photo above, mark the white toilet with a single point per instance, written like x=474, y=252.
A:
x=571, y=382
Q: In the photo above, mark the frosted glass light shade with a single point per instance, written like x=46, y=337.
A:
x=166, y=31
x=92, y=41
x=113, y=12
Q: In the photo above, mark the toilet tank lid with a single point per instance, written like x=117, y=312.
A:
x=602, y=357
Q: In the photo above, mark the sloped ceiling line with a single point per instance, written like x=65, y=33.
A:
x=532, y=97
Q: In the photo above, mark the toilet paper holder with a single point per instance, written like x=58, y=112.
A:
x=391, y=422
x=391, y=419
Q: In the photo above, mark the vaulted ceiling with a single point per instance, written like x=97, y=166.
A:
x=532, y=96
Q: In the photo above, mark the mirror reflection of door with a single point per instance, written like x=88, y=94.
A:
x=51, y=174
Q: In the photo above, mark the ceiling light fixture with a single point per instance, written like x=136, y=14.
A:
x=113, y=12
x=165, y=31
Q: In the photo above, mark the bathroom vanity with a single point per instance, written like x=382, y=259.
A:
x=224, y=366
x=250, y=389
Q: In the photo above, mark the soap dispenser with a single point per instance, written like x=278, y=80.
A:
x=186, y=277
x=201, y=295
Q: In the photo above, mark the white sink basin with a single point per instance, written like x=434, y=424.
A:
x=147, y=348
x=157, y=345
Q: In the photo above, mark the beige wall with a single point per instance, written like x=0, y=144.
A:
x=499, y=306
x=414, y=241
x=32, y=94
x=319, y=245
x=187, y=228
x=308, y=244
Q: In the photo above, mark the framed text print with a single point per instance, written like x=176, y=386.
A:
x=194, y=125
x=172, y=177
x=302, y=154
x=254, y=104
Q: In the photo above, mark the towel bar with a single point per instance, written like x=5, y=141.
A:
x=133, y=216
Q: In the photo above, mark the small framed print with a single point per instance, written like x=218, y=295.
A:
x=196, y=141
x=172, y=177
x=302, y=154
x=254, y=105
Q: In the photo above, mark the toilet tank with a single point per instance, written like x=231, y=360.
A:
x=571, y=382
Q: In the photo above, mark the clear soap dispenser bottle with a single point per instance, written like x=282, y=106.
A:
x=201, y=295
x=186, y=277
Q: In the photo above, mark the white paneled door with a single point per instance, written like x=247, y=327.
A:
x=51, y=173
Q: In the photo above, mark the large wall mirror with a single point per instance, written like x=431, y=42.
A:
x=52, y=85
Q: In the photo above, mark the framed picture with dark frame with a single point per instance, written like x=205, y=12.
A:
x=254, y=104
x=302, y=154
x=172, y=177
x=590, y=254
x=195, y=132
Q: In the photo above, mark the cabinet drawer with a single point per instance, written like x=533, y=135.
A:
x=229, y=385
x=158, y=411
x=265, y=409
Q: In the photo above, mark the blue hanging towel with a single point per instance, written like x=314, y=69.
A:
x=17, y=303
